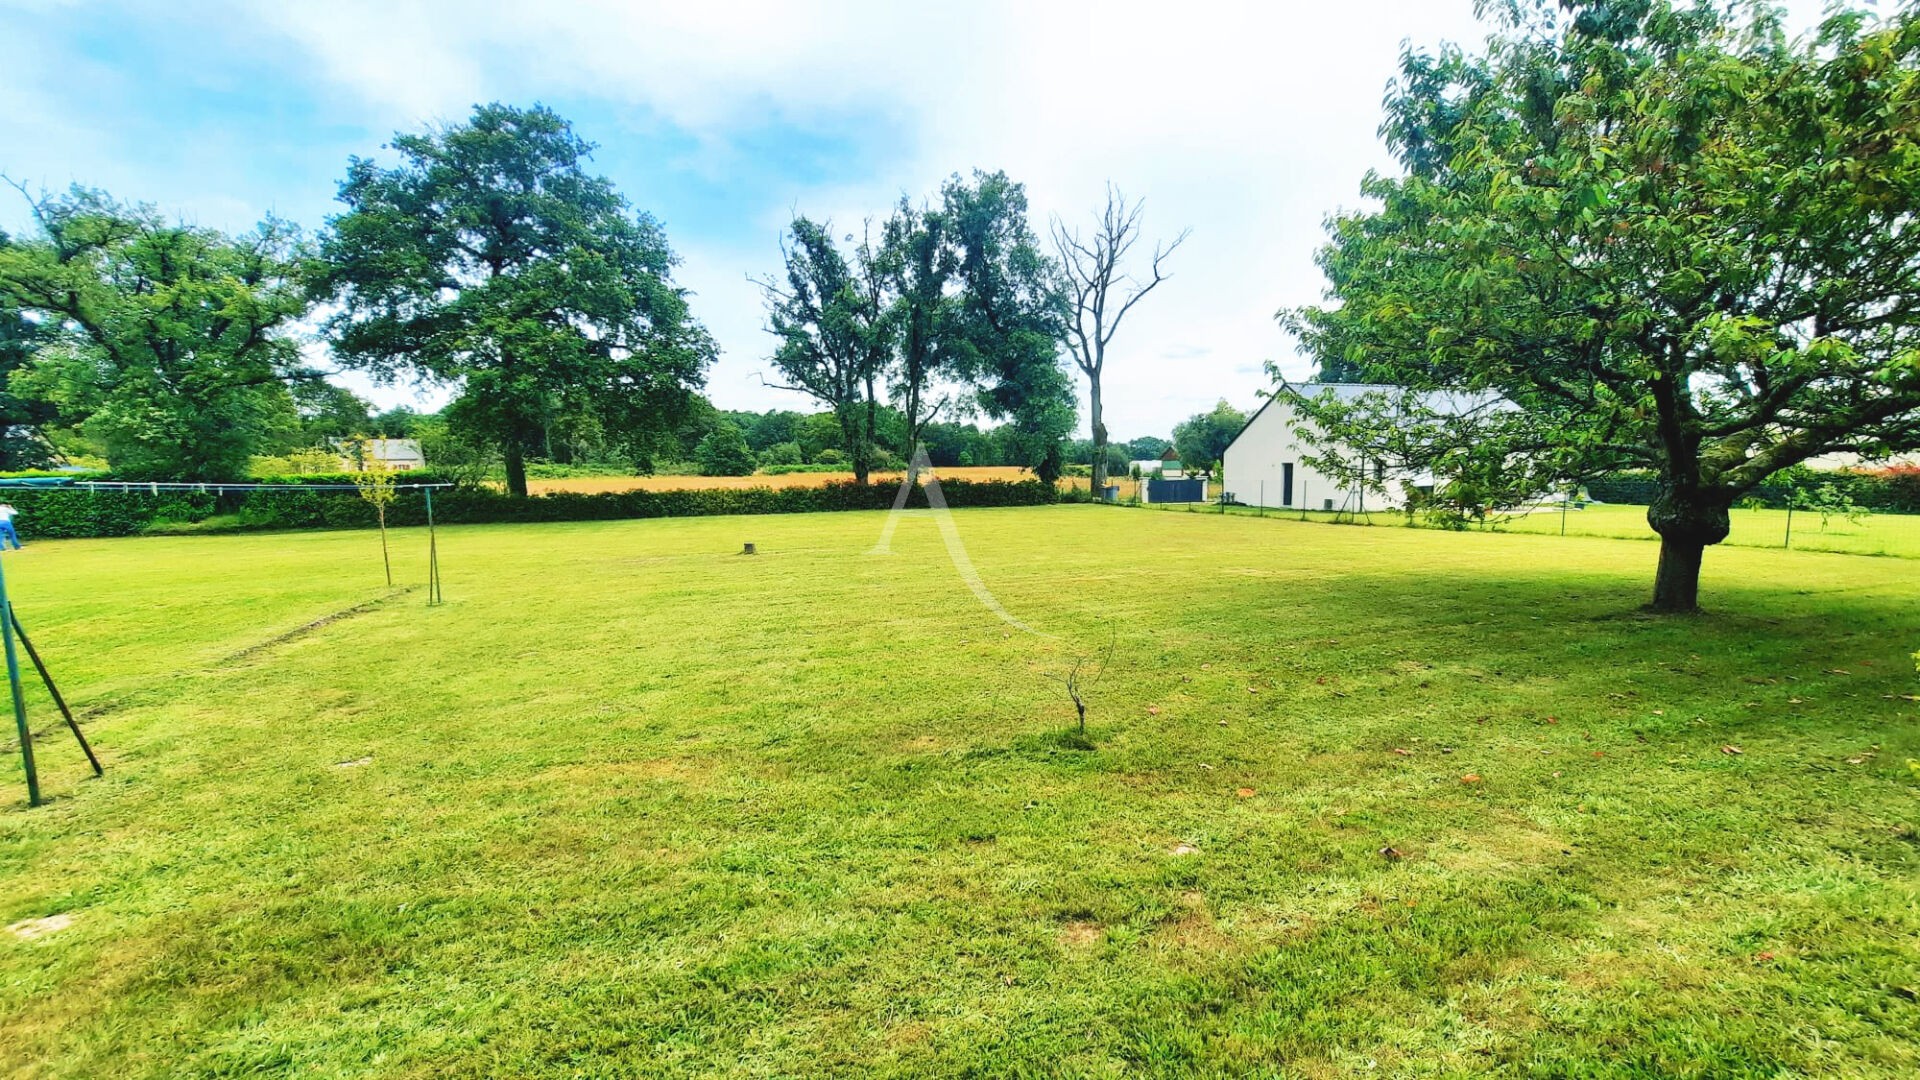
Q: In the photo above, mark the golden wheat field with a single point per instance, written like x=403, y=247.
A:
x=595, y=484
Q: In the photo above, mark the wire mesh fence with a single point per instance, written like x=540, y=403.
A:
x=1806, y=517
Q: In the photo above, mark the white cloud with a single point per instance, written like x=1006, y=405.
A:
x=1246, y=122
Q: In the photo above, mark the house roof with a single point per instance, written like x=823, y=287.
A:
x=1169, y=454
x=1454, y=402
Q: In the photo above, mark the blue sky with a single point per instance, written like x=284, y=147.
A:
x=1247, y=123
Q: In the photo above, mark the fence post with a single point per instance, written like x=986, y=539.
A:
x=1262, y=512
x=1789, y=541
x=1303, y=495
x=1565, y=498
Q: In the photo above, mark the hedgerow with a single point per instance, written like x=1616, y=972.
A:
x=66, y=513
x=1893, y=490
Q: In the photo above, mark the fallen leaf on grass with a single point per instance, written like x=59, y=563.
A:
x=1856, y=761
x=1184, y=849
x=1251, y=690
x=1836, y=671
x=1763, y=957
x=1392, y=853
x=1470, y=779
x=1403, y=751
x=1599, y=753
x=1795, y=701
x=1244, y=793
x=1731, y=749
x=1153, y=710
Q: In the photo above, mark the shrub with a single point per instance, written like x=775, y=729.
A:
x=724, y=452
x=782, y=453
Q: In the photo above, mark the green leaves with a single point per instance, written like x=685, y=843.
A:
x=490, y=259
x=1672, y=209
x=166, y=343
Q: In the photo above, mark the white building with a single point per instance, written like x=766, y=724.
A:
x=1266, y=465
x=399, y=454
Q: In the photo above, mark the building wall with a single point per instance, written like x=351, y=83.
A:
x=1254, y=469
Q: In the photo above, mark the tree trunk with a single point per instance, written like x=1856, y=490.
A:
x=516, y=456
x=1676, y=584
x=1689, y=520
x=870, y=438
x=385, y=558
x=859, y=449
x=1099, y=438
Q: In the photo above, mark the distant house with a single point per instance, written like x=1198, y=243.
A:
x=1167, y=464
x=400, y=455
x=1265, y=464
x=1167, y=482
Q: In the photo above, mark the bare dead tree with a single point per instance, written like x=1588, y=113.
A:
x=1100, y=292
x=1077, y=679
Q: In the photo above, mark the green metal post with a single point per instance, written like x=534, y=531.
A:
x=59, y=701
x=19, y=697
x=1789, y=540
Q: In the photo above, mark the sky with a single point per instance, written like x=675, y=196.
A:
x=1246, y=123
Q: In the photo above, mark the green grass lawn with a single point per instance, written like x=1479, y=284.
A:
x=631, y=804
x=1871, y=534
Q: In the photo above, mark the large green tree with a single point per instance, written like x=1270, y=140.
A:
x=1201, y=440
x=329, y=413
x=920, y=262
x=489, y=257
x=1659, y=235
x=23, y=444
x=168, y=343
x=1010, y=319
x=831, y=317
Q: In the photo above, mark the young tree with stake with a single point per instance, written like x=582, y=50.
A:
x=374, y=477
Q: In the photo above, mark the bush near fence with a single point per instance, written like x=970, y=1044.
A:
x=1891, y=491
x=71, y=513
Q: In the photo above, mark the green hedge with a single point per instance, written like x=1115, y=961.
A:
x=71, y=513
x=1888, y=491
